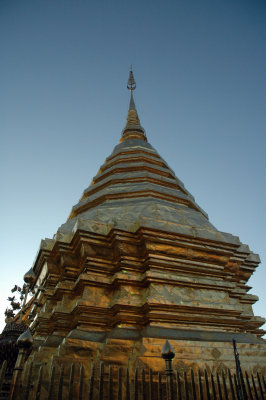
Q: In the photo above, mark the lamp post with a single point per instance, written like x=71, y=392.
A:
x=25, y=342
x=168, y=354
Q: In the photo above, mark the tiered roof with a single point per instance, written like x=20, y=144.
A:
x=136, y=187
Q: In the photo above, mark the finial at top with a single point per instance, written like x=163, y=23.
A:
x=133, y=129
x=131, y=84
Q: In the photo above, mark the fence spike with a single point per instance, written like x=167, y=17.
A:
x=27, y=391
x=81, y=377
x=207, y=385
x=186, y=385
x=194, y=392
x=143, y=385
x=170, y=378
x=237, y=388
x=243, y=386
x=51, y=384
x=101, y=381
x=231, y=385
x=254, y=386
x=150, y=385
x=119, y=394
x=260, y=386
x=160, y=393
x=110, y=383
x=136, y=386
x=91, y=383
x=39, y=384
x=178, y=386
x=71, y=379
x=264, y=382
x=127, y=385
x=213, y=388
x=60, y=386
x=224, y=385
x=200, y=386
x=219, y=387
x=248, y=386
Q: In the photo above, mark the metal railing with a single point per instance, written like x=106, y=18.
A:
x=111, y=382
x=108, y=382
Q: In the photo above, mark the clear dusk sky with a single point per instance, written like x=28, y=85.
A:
x=200, y=72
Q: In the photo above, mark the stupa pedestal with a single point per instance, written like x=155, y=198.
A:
x=117, y=297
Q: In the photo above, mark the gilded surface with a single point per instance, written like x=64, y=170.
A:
x=138, y=262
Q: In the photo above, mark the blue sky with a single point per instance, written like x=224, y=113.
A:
x=200, y=72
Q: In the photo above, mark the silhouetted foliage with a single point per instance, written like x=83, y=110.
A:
x=14, y=302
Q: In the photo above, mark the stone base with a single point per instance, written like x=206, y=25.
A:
x=131, y=348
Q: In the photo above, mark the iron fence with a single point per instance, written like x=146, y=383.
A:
x=107, y=382
x=111, y=382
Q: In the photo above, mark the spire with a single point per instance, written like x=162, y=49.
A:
x=133, y=129
x=131, y=84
